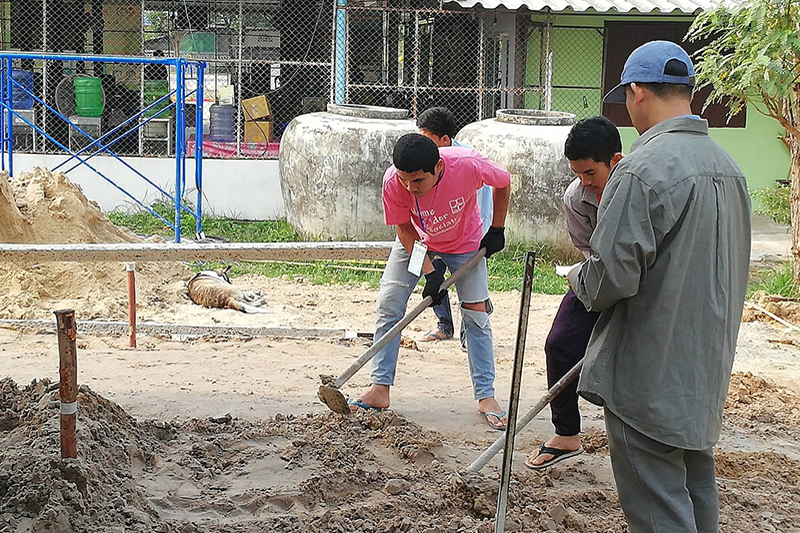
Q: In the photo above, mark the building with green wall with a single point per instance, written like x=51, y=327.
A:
x=756, y=147
x=576, y=40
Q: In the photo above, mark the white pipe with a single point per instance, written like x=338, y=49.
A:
x=139, y=252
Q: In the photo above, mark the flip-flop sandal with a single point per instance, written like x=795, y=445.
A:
x=365, y=406
x=557, y=453
x=435, y=335
x=499, y=416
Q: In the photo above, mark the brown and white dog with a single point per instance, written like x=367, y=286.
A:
x=213, y=288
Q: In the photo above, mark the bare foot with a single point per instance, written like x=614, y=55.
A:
x=376, y=396
x=490, y=405
x=558, y=442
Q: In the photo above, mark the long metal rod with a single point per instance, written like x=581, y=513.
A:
x=397, y=328
x=239, y=127
x=548, y=81
x=10, y=121
x=68, y=382
x=169, y=61
x=424, y=88
x=140, y=132
x=481, y=51
x=44, y=72
x=415, y=104
x=332, y=95
x=198, y=149
x=146, y=251
x=554, y=391
x=516, y=385
x=3, y=114
x=179, y=73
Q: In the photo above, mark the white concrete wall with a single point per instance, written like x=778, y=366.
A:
x=242, y=189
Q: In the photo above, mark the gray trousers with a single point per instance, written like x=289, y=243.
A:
x=662, y=489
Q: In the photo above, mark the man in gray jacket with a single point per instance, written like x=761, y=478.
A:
x=668, y=273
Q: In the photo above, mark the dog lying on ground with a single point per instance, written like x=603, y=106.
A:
x=213, y=288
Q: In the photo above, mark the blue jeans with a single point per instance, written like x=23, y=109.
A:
x=442, y=311
x=397, y=285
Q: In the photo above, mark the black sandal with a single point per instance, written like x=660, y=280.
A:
x=557, y=453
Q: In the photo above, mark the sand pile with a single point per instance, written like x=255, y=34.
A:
x=372, y=472
x=43, y=208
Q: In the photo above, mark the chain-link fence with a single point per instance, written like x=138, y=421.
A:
x=272, y=60
x=268, y=61
x=471, y=61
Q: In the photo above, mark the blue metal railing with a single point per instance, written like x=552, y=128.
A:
x=182, y=67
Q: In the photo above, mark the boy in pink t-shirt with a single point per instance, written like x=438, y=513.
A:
x=429, y=195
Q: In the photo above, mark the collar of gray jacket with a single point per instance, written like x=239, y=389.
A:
x=672, y=125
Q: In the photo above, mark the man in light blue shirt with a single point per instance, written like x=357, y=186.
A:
x=439, y=125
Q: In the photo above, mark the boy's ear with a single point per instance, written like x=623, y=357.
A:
x=616, y=159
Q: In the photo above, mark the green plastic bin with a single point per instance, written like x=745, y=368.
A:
x=88, y=97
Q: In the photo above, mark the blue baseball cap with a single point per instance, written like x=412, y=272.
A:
x=647, y=64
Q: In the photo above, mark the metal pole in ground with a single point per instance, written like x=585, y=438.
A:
x=516, y=384
x=131, y=272
x=68, y=383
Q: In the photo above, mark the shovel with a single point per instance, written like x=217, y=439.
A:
x=329, y=391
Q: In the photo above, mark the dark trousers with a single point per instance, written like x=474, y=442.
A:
x=565, y=346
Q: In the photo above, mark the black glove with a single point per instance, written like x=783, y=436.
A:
x=433, y=286
x=494, y=240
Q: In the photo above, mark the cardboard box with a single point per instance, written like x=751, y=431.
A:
x=258, y=131
x=256, y=108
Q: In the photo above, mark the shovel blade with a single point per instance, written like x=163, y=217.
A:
x=334, y=399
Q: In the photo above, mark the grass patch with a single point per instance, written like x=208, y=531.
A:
x=505, y=268
x=777, y=281
x=228, y=229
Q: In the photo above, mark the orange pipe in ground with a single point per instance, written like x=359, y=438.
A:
x=131, y=269
x=68, y=380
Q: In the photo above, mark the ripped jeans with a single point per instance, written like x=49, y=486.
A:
x=398, y=283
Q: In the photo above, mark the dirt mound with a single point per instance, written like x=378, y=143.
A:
x=758, y=404
x=45, y=208
x=41, y=492
x=316, y=473
x=785, y=308
x=758, y=491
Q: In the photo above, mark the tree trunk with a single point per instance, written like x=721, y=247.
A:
x=794, y=171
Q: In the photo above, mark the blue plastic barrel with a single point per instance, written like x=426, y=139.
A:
x=19, y=98
x=223, y=123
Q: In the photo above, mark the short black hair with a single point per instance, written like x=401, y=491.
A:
x=415, y=152
x=439, y=121
x=595, y=138
x=668, y=91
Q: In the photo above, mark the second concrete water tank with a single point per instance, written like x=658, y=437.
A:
x=530, y=145
x=332, y=166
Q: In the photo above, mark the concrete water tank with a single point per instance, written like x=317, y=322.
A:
x=332, y=166
x=530, y=145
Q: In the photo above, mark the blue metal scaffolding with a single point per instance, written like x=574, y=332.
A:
x=184, y=68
